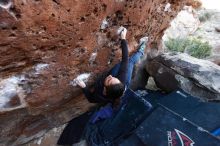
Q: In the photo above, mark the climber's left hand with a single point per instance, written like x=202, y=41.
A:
x=80, y=83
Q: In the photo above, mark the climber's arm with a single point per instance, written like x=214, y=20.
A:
x=91, y=96
x=122, y=74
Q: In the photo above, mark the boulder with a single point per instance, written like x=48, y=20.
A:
x=197, y=77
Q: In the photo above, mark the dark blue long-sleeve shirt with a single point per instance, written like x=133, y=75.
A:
x=97, y=95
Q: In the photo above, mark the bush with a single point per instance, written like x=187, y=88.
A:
x=176, y=45
x=193, y=47
x=199, y=49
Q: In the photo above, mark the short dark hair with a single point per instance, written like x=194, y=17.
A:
x=115, y=91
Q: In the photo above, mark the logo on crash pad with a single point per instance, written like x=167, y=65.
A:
x=178, y=138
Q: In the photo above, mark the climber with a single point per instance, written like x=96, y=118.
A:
x=107, y=91
x=113, y=85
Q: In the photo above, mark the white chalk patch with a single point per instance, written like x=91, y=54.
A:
x=55, y=130
x=167, y=8
x=84, y=77
x=39, y=141
x=9, y=88
x=92, y=57
x=6, y=6
x=104, y=24
x=39, y=67
x=119, y=1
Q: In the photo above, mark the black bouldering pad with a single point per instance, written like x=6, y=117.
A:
x=165, y=128
x=204, y=114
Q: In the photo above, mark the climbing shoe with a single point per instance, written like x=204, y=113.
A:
x=142, y=44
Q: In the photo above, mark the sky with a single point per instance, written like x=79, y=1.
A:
x=211, y=4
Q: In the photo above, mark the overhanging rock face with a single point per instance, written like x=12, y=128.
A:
x=44, y=44
x=197, y=77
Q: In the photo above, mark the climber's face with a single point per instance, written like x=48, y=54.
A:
x=110, y=80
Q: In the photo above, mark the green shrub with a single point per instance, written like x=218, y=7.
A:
x=176, y=45
x=193, y=47
x=199, y=49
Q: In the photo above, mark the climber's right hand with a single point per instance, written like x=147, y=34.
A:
x=123, y=33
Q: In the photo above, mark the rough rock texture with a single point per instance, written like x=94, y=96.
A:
x=49, y=139
x=44, y=44
x=197, y=77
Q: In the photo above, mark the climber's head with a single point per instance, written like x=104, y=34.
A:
x=110, y=80
x=113, y=87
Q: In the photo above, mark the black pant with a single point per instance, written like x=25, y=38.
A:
x=73, y=132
